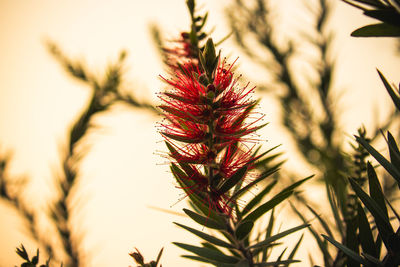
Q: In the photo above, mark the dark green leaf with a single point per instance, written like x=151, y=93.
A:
x=365, y=233
x=375, y=190
x=207, y=222
x=201, y=259
x=381, y=159
x=391, y=91
x=233, y=180
x=260, y=178
x=352, y=241
x=293, y=186
x=294, y=250
x=275, y=263
x=206, y=237
x=393, y=150
x=159, y=256
x=242, y=263
x=387, y=15
x=243, y=230
x=273, y=238
x=258, y=197
x=347, y=251
x=196, y=199
x=377, y=30
x=381, y=221
x=321, y=243
x=322, y=221
x=208, y=253
x=264, y=208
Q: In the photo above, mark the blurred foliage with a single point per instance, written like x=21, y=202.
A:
x=105, y=91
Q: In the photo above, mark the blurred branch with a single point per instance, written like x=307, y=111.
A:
x=15, y=199
x=109, y=88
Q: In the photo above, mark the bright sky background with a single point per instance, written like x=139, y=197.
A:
x=122, y=175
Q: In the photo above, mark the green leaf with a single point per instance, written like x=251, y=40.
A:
x=208, y=253
x=391, y=91
x=275, y=263
x=375, y=190
x=393, y=150
x=233, y=180
x=296, y=247
x=269, y=240
x=322, y=221
x=264, y=208
x=377, y=30
x=321, y=243
x=159, y=256
x=190, y=4
x=207, y=222
x=242, y=263
x=365, y=234
x=381, y=221
x=243, y=229
x=206, y=237
x=201, y=259
x=352, y=241
x=347, y=251
x=260, y=178
x=381, y=159
x=196, y=199
x=295, y=185
x=258, y=197
x=387, y=15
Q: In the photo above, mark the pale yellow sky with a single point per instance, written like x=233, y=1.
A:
x=121, y=175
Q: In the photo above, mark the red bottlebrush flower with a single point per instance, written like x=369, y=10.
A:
x=205, y=127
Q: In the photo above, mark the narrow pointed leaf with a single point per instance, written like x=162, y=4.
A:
x=207, y=222
x=159, y=256
x=347, y=251
x=393, y=150
x=233, y=180
x=381, y=159
x=321, y=243
x=296, y=247
x=206, y=237
x=201, y=259
x=273, y=238
x=195, y=199
x=258, y=197
x=391, y=91
x=275, y=263
x=260, y=178
x=264, y=208
x=381, y=221
x=377, y=30
x=375, y=190
x=322, y=221
x=366, y=237
x=208, y=253
x=244, y=229
x=385, y=15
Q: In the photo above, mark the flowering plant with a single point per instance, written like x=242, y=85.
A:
x=209, y=128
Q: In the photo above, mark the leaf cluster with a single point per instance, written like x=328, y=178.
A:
x=387, y=12
x=34, y=261
x=368, y=238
